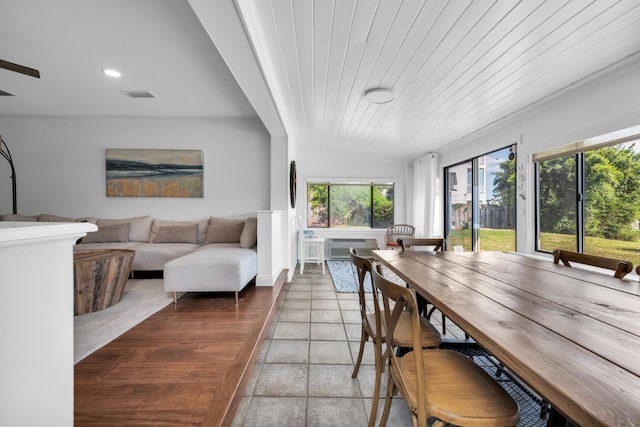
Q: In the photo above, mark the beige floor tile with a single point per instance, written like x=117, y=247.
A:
x=330, y=352
x=332, y=381
x=275, y=412
x=294, y=315
x=326, y=316
x=288, y=351
x=336, y=412
x=325, y=304
x=327, y=332
x=291, y=331
x=276, y=379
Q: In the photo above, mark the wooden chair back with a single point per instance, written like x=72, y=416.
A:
x=436, y=242
x=363, y=266
x=620, y=267
x=395, y=300
x=436, y=383
x=398, y=231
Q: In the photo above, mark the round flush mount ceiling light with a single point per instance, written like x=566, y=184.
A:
x=111, y=72
x=379, y=95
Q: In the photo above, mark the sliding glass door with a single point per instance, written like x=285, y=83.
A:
x=481, y=201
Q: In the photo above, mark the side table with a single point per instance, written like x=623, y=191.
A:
x=311, y=250
x=99, y=278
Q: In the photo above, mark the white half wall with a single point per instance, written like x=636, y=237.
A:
x=60, y=165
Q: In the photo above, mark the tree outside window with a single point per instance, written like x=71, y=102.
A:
x=349, y=205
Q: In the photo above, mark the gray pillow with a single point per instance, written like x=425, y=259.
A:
x=140, y=227
x=19, y=218
x=224, y=230
x=53, y=218
x=108, y=234
x=249, y=236
x=177, y=234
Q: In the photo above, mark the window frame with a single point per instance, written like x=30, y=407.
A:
x=370, y=184
x=580, y=187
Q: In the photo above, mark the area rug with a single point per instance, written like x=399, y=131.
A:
x=141, y=299
x=345, y=276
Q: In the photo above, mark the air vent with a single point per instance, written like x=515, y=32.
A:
x=138, y=93
x=3, y=93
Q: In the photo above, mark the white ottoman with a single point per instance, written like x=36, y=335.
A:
x=211, y=269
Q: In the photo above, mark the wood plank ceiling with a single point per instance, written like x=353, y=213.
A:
x=454, y=66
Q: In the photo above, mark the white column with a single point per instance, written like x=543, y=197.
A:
x=36, y=313
x=270, y=247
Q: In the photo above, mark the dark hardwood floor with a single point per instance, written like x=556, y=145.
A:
x=188, y=364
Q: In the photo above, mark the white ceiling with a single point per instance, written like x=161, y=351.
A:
x=158, y=45
x=455, y=66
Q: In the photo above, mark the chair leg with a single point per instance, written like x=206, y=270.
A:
x=387, y=402
x=364, y=336
x=379, y=363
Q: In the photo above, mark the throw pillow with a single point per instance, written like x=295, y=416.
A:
x=53, y=218
x=140, y=227
x=177, y=234
x=157, y=223
x=224, y=230
x=19, y=218
x=249, y=236
x=109, y=233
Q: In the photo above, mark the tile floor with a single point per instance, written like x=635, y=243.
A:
x=303, y=376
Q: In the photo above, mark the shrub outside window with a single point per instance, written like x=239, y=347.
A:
x=590, y=202
x=337, y=205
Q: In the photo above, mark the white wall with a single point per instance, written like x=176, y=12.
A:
x=337, y=168
x=603, y=104
x=60, y=165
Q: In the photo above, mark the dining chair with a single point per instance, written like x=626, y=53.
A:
x=371, y=328
x=443, y=384
x=437, y=244
x=620, y=267
x=398, y=231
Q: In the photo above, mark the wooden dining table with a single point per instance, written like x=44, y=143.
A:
x=571, y=334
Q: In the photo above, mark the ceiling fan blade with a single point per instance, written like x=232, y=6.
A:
x=19, y=69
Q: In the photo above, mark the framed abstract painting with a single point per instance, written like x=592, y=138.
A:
x=154, y=173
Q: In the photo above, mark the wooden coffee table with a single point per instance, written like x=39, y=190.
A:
x=99, y=278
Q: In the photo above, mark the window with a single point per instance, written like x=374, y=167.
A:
x=483, y=216
x=349, y=205
x=589, y=201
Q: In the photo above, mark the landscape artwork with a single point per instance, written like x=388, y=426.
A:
x=154, y=173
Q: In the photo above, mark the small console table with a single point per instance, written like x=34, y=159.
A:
x=99, y=278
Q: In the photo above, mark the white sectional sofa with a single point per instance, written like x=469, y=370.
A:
x=205, y=255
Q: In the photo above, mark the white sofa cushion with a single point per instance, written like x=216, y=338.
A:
x=154, y=256
x=210, y=269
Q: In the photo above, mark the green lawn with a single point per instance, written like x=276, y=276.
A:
x=504, y=240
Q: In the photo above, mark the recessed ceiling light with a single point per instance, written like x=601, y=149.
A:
x=379, y=95
x=111, y=72
x=138, y=93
